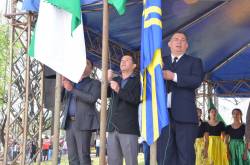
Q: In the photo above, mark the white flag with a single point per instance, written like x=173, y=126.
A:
x=58, y=41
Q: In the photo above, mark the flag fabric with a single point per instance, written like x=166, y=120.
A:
x=211, y=105
x=33, y=5
x=119, y=5
x=86, y=2
x=58, y=39
x=154, y=109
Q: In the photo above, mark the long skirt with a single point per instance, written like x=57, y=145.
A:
x=237, y=148
x=199, y=151
x=217, y=151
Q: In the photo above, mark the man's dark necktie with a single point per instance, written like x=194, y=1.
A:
x=173, y=67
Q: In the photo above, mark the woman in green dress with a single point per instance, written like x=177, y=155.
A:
x=238, y=154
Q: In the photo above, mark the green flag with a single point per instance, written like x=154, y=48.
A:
x=211, y=105
x=119, y=5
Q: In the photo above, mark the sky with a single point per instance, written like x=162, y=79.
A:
x=227, y=105
x=2, y=5
x=2, y=10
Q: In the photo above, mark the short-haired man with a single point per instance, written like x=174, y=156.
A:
x=123, y=126
x=80, y=116
x=184, y=75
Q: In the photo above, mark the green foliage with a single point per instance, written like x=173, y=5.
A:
x=4, y=47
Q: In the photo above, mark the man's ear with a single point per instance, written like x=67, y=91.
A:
x=187, y=45
x=169, y=43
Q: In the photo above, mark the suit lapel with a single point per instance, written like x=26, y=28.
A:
x=128, y=84
x=167, y=62
x=181, y=61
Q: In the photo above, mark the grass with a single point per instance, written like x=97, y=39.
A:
x=95, y=160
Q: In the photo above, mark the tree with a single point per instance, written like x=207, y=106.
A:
x=4, y=45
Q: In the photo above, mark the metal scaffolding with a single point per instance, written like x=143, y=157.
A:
x=203, y=94
x=235, y=91
x=94, y=47
x=25, y=90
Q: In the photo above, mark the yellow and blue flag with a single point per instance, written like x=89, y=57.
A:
x=154, y=109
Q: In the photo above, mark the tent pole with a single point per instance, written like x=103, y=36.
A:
x=57, y=109
x=27, y=96
x=105, y=45
x=153, y=150
x=204, y=101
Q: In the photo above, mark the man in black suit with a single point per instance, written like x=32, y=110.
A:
x=80, y=116
x=184, y=75
x=247, y=134
x=123, y=125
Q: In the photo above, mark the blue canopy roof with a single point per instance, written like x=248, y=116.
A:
x=218, y=30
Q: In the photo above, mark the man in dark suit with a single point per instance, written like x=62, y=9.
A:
x=184, y=75
x=80, y=116
x=123, y=125
x=247, y=132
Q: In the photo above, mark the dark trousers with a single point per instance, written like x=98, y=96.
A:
x=78, y=143
x=122, y=146
x=146, y=151
x=97, y=151
x=175, y=145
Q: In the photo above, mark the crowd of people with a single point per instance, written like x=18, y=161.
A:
x=185, y=141
x=15, y=150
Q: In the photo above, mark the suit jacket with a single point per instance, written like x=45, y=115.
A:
x=86, y=113
x=248, y=125
x=189, y=77
x=123, y=113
